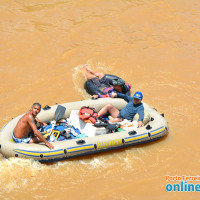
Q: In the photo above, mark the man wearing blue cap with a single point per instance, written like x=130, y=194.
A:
x=133, y=107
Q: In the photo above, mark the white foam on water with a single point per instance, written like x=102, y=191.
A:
x=79, y=79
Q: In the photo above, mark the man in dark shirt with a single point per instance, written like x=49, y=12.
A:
x=128, y=112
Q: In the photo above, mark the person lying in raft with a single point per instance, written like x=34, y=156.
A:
x=133, y=107
x=26, y=130
x=107, y=86
x=119, y=86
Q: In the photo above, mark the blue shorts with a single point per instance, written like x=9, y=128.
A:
x=22, y=140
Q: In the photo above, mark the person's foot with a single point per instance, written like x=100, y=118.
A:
x=85, y=66
x=114, y=120
x=110, y=117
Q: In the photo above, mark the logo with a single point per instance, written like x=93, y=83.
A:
x=182, y=183
x=110, y=143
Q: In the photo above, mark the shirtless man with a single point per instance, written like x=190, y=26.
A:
x=26, y=130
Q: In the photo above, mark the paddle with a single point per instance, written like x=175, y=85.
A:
x=107, y=125
x=60, y=111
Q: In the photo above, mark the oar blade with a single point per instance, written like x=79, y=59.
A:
x=59, y=113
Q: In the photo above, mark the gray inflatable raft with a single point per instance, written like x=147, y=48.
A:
x=98, y=139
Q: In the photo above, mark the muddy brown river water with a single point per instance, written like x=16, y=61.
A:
x=152, y=44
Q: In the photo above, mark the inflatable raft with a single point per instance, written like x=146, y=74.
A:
x=98, y=138
x=92, y=89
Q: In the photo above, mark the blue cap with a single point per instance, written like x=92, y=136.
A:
x=138, y=95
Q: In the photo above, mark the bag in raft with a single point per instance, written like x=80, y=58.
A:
x=88, y=114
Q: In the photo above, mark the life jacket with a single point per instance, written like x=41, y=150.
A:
x=88, y=114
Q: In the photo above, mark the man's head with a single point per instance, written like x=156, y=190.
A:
x=118, y=84
x=36, y=108
x=138, y=97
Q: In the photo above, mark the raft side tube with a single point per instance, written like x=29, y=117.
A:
x=71, y=148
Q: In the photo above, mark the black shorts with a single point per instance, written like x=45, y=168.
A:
x=100, y=82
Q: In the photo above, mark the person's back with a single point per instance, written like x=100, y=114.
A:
x=23, y=128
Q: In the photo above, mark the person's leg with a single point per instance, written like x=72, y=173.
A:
x=109, y=108
x=116, y=120
x=89, y=73
x=35, y=140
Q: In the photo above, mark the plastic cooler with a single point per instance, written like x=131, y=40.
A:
x=86, y=128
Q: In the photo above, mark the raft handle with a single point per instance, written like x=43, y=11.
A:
x=162, y=114
x=65, y=151
x=16, y=155
x=46, y=107
x=95, y=146
x=152, y=118
x=123, y=141
x=41, y=155
x=0, y=146
x=148, y=127
x=80, y=142
x=149, y=134
x=132, y=132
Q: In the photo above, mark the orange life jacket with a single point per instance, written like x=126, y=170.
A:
x=88, y=114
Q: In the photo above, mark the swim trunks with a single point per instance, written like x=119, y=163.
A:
x=22, y=140
x=100, y=82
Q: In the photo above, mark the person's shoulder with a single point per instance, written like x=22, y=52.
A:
x=131, y=98
x=29, y=116
x=25, y=116
x=141, y=105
